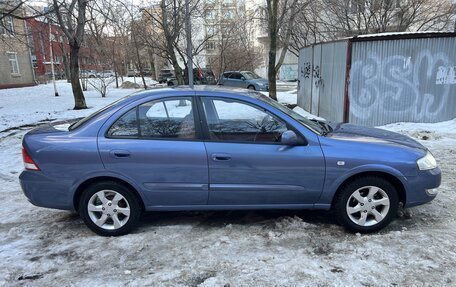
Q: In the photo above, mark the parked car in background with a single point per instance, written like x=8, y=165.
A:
x=165, y=74
x=244, y=79
x=57, y=74
x=106, y=74
x=201, y=76
x=133, y=73
x=213, y=149
x=88, y=73
x=147, y=72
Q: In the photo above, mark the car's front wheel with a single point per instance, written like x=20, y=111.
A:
x=109, y=209
x=366, y=204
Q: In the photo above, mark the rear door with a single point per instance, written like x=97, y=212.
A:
x=157, y=145
x=247, y=163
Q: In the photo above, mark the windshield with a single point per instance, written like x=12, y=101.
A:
x=314, y=126
x=250, y=75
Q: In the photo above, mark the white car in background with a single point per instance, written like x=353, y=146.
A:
x=88, y=73
x=106, y=74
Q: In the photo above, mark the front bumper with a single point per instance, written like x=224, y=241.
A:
x=45, y=192
x=421, y=188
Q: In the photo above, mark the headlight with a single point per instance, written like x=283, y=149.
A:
x=427, y=162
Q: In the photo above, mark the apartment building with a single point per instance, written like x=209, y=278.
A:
x=15, y=62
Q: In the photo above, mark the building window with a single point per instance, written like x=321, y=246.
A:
x=14, y=67
x=211, y=15
x=228, y=15
x=7, y=25
x=210, y=46
x=228, y=2
x=210, y=30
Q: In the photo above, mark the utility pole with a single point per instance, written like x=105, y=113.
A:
x=188, y=31
x=52, y=59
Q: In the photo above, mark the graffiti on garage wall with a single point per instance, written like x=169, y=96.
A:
x=446, y=75
x=398, y=84
x=289, y=72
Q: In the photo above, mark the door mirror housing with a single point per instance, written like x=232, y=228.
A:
x=290, y=138
x=243, y=78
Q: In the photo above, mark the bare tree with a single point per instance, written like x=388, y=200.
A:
x=71, y=16
x=281, y=16
x=349, y=18
x=230, y=43
x=101, y=84
x=166, y=37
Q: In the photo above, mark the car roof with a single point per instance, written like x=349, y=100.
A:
x=202, y=90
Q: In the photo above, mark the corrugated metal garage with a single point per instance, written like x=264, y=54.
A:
x=379, y=79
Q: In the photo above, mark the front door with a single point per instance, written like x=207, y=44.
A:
x=247, y=163
x=156, y=145
x=236, y=80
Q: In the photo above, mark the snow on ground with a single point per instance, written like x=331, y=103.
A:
x=30, y=105
x=44, y=247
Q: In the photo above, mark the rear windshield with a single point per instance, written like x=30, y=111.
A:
x=88, y=118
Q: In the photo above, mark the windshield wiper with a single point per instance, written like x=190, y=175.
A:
x=324, y=126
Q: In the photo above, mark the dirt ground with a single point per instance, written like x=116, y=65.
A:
x=44, y=247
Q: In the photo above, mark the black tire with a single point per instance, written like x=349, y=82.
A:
x=341, y=204
x=251, y=87
x=129, y=200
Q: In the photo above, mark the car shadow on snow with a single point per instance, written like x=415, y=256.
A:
x=244, y=217
x=264, y=218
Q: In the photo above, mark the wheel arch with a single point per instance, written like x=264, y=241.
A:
x=82, y=186
x=396, y=182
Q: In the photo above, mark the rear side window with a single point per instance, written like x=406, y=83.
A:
x=171, y=118
x=167, y=119
x=125, y=126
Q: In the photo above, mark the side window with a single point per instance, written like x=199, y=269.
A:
x=236, y=76
x=125, y=126
x=171, y=118
x=240, y=122
x=167, y=119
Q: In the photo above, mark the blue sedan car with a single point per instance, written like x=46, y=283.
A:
x=213, y=149
x=244, y=79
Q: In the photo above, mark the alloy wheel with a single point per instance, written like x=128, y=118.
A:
x=108, y=209
x=368, y=206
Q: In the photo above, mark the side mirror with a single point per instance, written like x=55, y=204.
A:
x=243, y=78
x=290, y=138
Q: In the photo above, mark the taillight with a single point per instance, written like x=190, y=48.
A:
x=28, y=161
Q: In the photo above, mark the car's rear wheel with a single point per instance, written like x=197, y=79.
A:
x=251, y=87
x=109, y=209
x=366, y=204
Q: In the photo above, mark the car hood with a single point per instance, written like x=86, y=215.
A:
x=366, y=134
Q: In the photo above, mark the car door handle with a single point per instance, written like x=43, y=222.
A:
x=220, y=156
x=120, y=153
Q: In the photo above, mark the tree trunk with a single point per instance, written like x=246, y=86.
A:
x=138, y=58
x=79, y=100
x=177, y=69
x=272, y=31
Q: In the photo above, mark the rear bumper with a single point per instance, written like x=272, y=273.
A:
x=45, y=192
x=418, y=187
